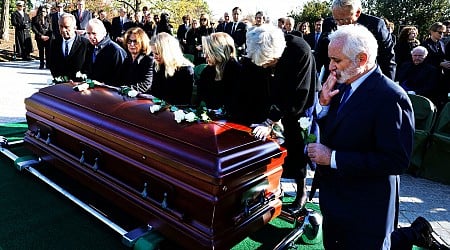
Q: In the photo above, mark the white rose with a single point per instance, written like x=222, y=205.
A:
x=190, y=117
x=155, y=108
x=305, y=122
x=80, y=75
x=132, y=93
x=204, y=117
x=81, y=87
x=179, y=115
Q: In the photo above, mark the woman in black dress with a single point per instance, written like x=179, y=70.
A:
x=173, y=77
x=217, y=85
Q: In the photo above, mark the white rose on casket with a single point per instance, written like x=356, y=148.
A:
x=179, y=115
x=155, y=108
x=190, y=117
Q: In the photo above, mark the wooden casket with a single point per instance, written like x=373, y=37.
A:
x=203, y=185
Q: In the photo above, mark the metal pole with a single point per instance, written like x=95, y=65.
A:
x=55, y=186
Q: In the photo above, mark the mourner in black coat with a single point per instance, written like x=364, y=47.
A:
x=105, y=57
x=173, y=78
x=290, y=72
x=219, y=81
x=137, y=69
x=22, y=37
x=41, y=26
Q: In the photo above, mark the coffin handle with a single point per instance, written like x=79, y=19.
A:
x=38, y=133
x=95, y=166
x=82, y=157
x=164, y=201
x=144, y=192
x=48, y=139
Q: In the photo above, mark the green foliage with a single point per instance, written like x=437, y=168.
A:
x=311, y=11
x=421, y=13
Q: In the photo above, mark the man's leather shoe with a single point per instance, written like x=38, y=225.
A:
x=425, y=235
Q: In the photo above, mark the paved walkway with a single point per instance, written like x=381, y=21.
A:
x=419, y=197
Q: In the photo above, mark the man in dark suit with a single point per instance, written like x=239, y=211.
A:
x=350, y=12
x=313, y=37
x=367, y=129
x=182, y=30
x=68, y=60
x=82, y=16
x=222, y=26
x=55, y=19
x=22, y=37
x=237, y=30
x=105, y=57
x=117, y=26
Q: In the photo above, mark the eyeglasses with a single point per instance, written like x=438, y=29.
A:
x=202, y=19
x=131, y=41
x=440, y=32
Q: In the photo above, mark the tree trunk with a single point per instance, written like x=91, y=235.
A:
x=4, y=21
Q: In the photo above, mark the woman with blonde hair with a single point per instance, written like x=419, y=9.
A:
x=173, y=77
x=137, y=68
x=217, y=83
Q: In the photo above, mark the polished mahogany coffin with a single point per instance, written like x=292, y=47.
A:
x=204, y=185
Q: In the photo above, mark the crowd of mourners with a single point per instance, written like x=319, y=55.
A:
x=269, y=76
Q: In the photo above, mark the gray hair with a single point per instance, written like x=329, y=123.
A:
x=353, y=5
x=356, y=39
x=69, y=16
x=265, y=43
x=420, y=49
x=97, y=25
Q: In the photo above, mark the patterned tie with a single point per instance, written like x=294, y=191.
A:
x=347, y=90
x=66, y=48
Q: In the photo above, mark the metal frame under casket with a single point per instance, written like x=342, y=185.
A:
x=202, y=185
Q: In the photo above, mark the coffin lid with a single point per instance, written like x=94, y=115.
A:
x=106, y=109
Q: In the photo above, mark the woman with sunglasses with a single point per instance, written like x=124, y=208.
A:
x=137, y=69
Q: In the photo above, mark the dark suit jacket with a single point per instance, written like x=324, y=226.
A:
x=239, y=35
x=116, y=28
x=386, y=55
x=81, y=24
x=55, y=25
x=74, y=62
x=181, y=32
x=373, y=138
x=22, y=34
